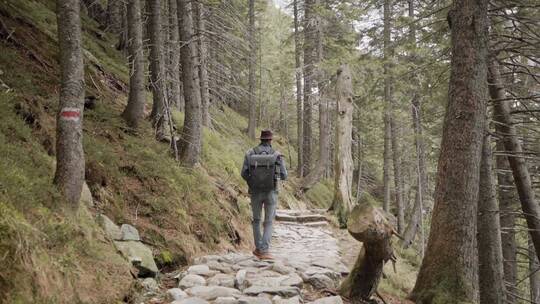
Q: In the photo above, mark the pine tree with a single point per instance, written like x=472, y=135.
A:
x=69, y=175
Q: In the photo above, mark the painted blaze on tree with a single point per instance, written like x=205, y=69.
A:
x=69, y=175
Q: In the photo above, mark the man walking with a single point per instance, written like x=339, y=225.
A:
x=263, y=168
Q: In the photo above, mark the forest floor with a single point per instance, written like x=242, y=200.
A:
x=310, y=260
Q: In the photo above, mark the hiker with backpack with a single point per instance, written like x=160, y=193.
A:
x=262, y=169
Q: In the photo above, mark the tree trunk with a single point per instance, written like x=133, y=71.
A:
x=321, y=165
x=490, y=271
x=507, y=206
x=415, y=222
x=387, y=158
x=283, y=108
x=371, y=226
x=534, y=271
x=417, y=213
x=114, y=16
x=190, y=141
x=69, y=175
x=359, y=158
x=342, y=202
x=448, y=267
x=310, y=49
x=398, y=177
x=299, y=106
x=199, y=11
x=157, y=70
x=252, y=122
x=522, y=179
x=175, y=97
x=134, y=110
x=390, y=122
x=123, y=34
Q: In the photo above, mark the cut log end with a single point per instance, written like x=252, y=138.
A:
x=373, y=227
x=370, y=224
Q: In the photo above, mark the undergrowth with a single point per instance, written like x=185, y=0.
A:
x=48, y=255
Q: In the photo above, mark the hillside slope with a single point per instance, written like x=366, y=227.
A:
x=47, y=257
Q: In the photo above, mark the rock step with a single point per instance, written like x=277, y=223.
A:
x=304, y=218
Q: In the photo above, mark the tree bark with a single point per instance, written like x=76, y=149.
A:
x=114, y=16
x=387, y=158
x=199, y=11
x=123, y=34
x=134, y=110
x=299, y=105
x=321, y=165
x=490, y=271
x=448, y=267
x=534, y=271
x=173, y=59
x=157, y=70
x=342, y=202
x=190, y=141
x=507, y=206
x=310, y=49
x=252, y=118
x=371, y=226
x=359, y=152
x=522, y=179
x=398, y=177
x=69, y=175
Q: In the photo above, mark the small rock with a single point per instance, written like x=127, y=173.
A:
x=150, y=284
x=234, y=258
x=284, y=291
x=212, y=292
x=292, y=279
x=202, y=270
x=317, y=224
x=215, y=265
x=321, y=281
x=226, y=300
x=251, y=263
x=129, y=233
x=319, y=270
x=254, y=300
x=328, y=300
x=281, y=268
x=176, y=294
x=192, y=280
x=111, y=229
x=240, y=279
x=206, y=259
x=293, y=300
x=222, y=279
x=193, y=300
x=140, y=256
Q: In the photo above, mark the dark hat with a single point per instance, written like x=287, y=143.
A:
x=266, y=134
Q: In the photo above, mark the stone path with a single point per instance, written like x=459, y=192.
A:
x=307, y=264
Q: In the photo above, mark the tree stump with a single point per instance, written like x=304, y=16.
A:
x=374, y=228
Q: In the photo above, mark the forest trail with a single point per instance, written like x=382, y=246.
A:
x=308, y=264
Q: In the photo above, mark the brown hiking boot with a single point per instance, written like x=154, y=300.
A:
x=257, y=253
x=265, y=256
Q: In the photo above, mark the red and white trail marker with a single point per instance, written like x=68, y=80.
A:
x=71, y=114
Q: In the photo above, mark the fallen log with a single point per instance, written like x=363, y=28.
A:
x=374, y=228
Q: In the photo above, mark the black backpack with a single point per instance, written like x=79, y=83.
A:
x=262, y=170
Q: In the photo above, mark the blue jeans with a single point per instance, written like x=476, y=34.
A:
x=268, y=200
